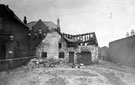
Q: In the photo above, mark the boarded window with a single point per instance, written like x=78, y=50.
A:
x=44, y=54
x=0, y=22
x=61, y=55
x=60, y=45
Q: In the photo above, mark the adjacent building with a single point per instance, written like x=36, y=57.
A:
x=13, y=35
x=104, y=53
x=122, y=51
x=38, y=30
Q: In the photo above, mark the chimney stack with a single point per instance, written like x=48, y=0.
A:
x=58, y=24
x=127, y=34
x=25, y=20
x=132, y=32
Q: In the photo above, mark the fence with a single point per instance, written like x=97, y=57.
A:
x=9, y=64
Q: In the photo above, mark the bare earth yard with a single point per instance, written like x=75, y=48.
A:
x=104, y=73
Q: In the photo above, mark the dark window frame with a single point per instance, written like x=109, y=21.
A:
x=61, y=55
x=44, y=54
x=60, y=45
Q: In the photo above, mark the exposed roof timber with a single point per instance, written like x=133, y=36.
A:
x=80, y=34
x=89, y=38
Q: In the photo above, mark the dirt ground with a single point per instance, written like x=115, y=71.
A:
x=104, y=73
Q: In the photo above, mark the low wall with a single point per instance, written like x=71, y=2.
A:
x=9, y=64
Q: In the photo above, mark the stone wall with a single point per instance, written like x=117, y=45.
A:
x=91, y=48
x=75, y=50
x=50, y=44
x=64, y=49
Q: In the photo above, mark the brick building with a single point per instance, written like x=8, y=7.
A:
x=104, y=53
x=13, y=35
x=122, y=51
x=38, y=30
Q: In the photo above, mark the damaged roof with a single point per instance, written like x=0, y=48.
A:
x=89, y=38
x=74, y=40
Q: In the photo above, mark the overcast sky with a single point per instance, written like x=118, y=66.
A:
x=109, y=19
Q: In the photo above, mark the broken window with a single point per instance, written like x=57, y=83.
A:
x=0, y=22
x=60, y=45
x=61, y=55
x=44, y=54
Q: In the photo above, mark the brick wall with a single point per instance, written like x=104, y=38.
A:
x=104, y=53
x=123, y=51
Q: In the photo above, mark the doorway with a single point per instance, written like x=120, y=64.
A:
x=71, y=57
x=84, y=57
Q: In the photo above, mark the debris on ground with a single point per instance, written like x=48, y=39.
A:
x=40, y=62
x=104, y=73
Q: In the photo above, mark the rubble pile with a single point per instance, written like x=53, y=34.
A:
x=49, y=63
x=39, y=62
